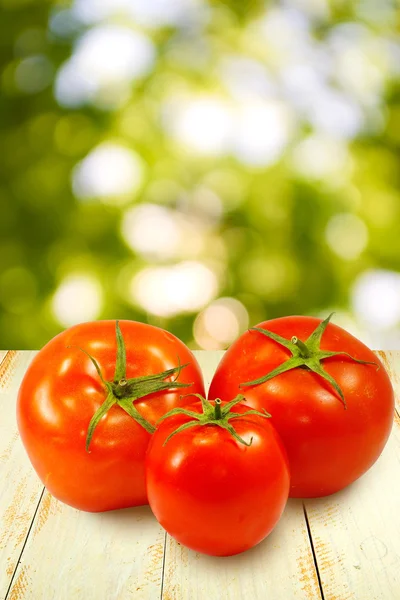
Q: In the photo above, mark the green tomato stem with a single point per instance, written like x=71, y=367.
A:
x=217, y=410
x=307, y=355
x=213, y=414
x=303, y=350
x=124, y=392
x=119, y=388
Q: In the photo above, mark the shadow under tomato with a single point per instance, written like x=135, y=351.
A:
x=125, y=515
x=359, y=487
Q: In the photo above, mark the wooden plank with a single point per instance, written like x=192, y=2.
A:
x=391, y=361
x=356, y=533
x=105, y=556
x=20, y=487
x=281, y=567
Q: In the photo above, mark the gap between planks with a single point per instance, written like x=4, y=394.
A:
x=24, y=544
x=21, y=492
x=321, y=591
x=396, y=418
x=163, y=566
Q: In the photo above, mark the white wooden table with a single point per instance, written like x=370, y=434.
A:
x=344, y=547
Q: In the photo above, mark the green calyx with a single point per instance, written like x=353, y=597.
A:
x=307, y=355
x=213, y=414
x=124, y=392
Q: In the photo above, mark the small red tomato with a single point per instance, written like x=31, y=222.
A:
x=217, y=478
x=88, y=404
x=330, y=397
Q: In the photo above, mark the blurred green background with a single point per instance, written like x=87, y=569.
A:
x=201, y=166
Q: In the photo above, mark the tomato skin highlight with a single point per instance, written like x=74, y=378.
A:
x=60, y=393
x=328, y=447
x=212, y=493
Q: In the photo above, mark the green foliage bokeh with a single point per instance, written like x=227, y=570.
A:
x=268, y=245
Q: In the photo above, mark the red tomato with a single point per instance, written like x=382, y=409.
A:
x=210, y=491
x=60, y=393
x=329, y=445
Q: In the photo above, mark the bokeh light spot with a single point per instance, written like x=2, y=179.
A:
x=160, y=233
x=261, y=133
x=169, y=291
x=246, y=79
x=31, y=41
x=320, y=157
x=220, y=323
x=78, y=298
x=376, y=298
x=106, y=58
x=202, y=124
x=152, y=230
x=63, y=23
x=33, y=74
x=347, y=235
x=157, y=13
x=109, y=170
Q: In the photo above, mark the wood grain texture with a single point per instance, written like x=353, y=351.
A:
x=108, y=556
x=391, y=361
x=356, y=532
x=281, y=566
x=20, y=489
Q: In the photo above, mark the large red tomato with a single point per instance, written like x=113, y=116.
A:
x=334, y=414
x=88, y=403
x=218, y=484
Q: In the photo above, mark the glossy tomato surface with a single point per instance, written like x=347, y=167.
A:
x=60, y=393
x=211, y=492
x=328, y=446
